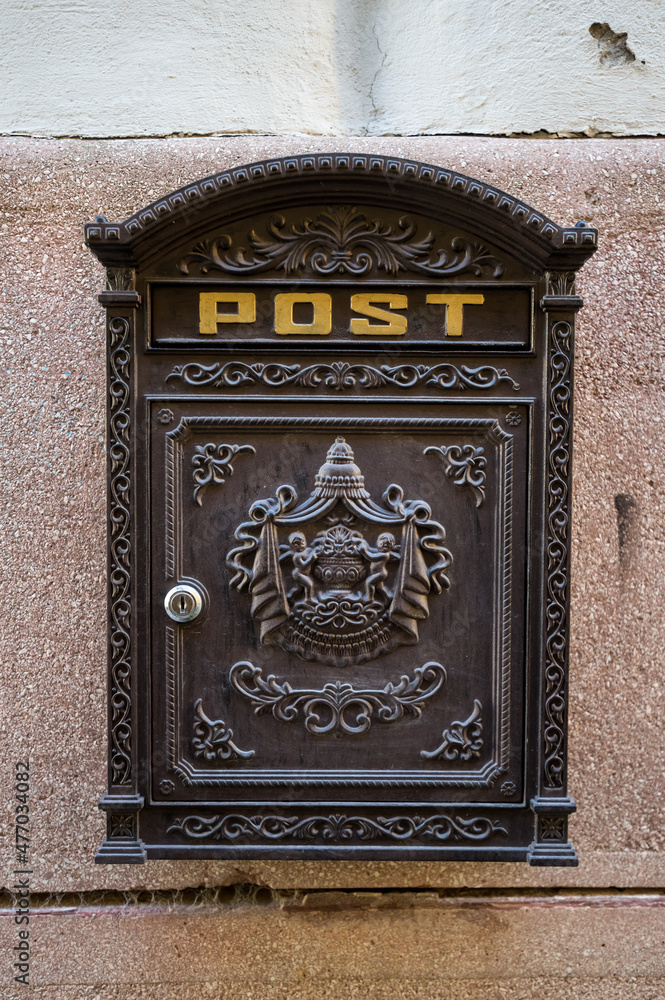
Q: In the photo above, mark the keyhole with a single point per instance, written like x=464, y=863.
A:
x=183, y=603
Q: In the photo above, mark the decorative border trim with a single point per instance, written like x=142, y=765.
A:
x=502, y=647
x=120, y=547
x=558, y=542
x=171, y=660
x=171, y=490
x=327, y=164
x=192, y=777
x=504, y=583
x=335, y=827
x=189, y=425
x=340, y=375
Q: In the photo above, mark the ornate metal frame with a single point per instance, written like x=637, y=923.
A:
x=127, y=249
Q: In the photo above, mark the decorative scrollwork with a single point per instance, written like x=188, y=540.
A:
x=213, y=464
x=448, y=376
x=561, y=283
x=341, y=240
x=462, y=741
x=214, y=739
x=336, y=827
x=120, y=551
x=337, y=705
x=340, y=375
x=465, y=465
x=558, y=521
x=120, y=279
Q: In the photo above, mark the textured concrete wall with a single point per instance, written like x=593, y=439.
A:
x=607, y=941
x=348, y=67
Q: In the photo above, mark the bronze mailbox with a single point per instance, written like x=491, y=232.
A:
x=339, y=442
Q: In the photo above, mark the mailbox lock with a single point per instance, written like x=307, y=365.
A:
x=183, y=603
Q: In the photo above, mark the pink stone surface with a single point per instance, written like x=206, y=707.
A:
x=565, y=988
x=52, y=475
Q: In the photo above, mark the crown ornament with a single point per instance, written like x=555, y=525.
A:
x=339, y=476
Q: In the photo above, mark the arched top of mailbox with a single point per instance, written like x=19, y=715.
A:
x=402, y=185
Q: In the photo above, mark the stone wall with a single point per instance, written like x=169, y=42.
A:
x=334, y=67
x=330, y=929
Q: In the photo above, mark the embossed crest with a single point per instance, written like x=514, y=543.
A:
x=346, y=589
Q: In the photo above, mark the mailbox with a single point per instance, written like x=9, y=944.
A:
x=339, y=447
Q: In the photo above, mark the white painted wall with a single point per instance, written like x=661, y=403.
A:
x=363, y=67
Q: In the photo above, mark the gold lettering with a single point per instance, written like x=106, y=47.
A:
x=209, y=317
x=393, y=325
x=321, y=323
x=454, y=309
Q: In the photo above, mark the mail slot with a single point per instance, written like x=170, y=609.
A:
x=339, y=433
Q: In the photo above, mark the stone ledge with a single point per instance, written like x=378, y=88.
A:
x=560, y=988
x=259, y=948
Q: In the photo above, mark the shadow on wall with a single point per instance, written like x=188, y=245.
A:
x=627, y=527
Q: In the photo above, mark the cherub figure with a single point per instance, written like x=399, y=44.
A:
x=378, y=559
x=303, y=558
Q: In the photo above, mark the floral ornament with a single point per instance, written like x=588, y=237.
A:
x=165, y=416
x=462, y=741
x=337, y=705
x=508, y=788
x=214, y=739
x=513, y=418
x=121, y=826
x=465, y=465
x=552, y=827
x=212, y=464
x=166, y=786
x=341, y=240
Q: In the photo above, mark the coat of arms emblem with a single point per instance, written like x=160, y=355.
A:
x=339, y=578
